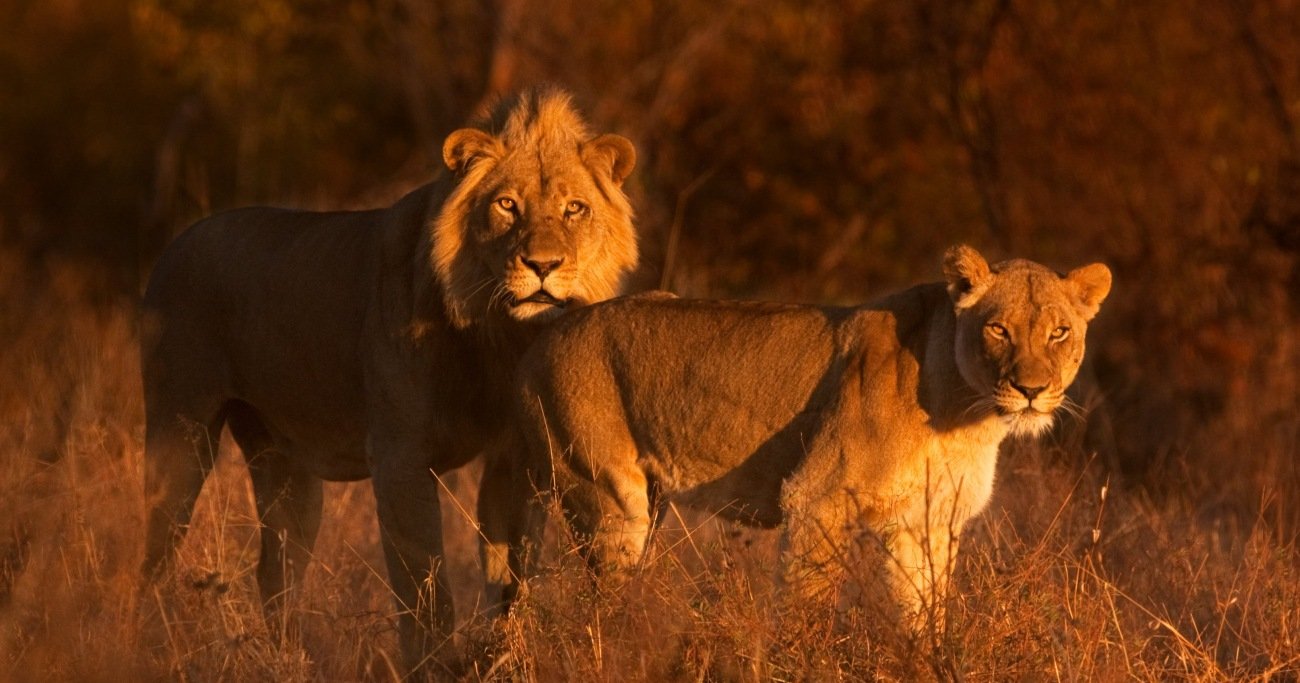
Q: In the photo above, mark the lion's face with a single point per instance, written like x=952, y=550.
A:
x=542, y=230
x=539, y=222
x=1020, y=332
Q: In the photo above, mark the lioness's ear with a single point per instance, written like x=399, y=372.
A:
x=467, y=144
x=968, y=275
x=1091, y=284
x=611, y=153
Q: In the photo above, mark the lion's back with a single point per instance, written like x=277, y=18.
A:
x=261, y=254
x=262, y=303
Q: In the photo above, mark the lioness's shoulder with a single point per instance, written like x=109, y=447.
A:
x=908, y=309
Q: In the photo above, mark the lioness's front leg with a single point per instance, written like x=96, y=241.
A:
x=920, y=568
x=410, y=525
x=814, y=552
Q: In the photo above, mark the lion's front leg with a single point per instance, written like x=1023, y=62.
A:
x=511, y=520
x=410, y=525
x=496, y=511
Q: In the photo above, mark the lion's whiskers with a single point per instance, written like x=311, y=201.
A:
x=479, y=287
x=501, y=296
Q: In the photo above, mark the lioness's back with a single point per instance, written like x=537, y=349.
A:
x=730, y=387
x=632, y=336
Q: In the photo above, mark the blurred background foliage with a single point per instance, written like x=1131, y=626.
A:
x=796, y=150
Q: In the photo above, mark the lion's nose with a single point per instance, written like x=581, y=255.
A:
x=541, y=266
x=1029, y=392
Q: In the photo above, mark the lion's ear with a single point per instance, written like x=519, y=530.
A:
x=463, y=146
x=968, y=275
x=613, y=154
x=1091, y=284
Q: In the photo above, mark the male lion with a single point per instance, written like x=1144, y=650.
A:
x=885, y=417
x=377, y=343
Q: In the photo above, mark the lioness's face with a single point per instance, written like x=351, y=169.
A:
x=548, y=224
x=1020, y=332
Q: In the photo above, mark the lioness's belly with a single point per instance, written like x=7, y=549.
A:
x=736, y=473
x=719, y=408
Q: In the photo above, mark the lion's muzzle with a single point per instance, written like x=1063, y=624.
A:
x=541, y=296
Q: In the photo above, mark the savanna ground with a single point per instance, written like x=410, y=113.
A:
x=1066, y=576
x=808, y=150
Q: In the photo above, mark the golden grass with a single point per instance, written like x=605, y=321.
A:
x=1063, y=578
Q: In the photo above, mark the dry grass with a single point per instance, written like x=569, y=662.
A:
x=1063, y=578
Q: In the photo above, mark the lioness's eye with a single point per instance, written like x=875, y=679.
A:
x=1059, y=333
x=506, y=203
x=997, y=330
x=574, y=207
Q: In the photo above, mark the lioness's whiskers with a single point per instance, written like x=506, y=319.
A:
x=1072, y=408
x=978, y=405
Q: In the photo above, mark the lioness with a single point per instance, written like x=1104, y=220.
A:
x=885, y=417
x=377, y=343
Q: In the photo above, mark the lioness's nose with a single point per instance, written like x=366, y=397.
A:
x=1029, y=392
x=541, y=266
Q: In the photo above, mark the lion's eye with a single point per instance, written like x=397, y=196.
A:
x=1059, y=334
x=507, y=204
x=997, y=330
x=574, y=208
